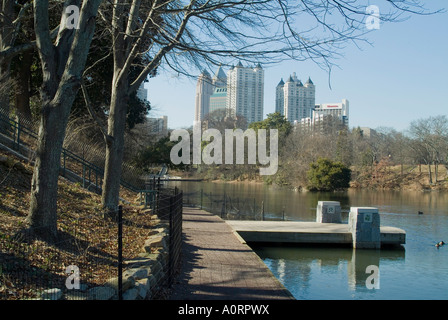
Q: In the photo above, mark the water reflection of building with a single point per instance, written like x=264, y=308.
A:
x=281, y=270
x=288, y=271
x=297, y=267
x=357, y=266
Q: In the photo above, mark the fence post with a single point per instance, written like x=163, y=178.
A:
x=63, y=160
x=120, y=253
x=157, y=194
x=262, y=210
x=19, y=128
x=202, y=191
x=171, y=243
x=225, y=202
x=83, y=175
x=14, y=130
x=224, y=206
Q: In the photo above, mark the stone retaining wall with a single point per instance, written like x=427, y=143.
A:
x=143, y=275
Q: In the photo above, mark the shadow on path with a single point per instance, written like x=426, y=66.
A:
x=217, y=266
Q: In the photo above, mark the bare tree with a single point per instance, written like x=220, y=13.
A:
x=400, y=149
x=11, y=17
x=184, y=35
x=62, y=64
x=430, y=141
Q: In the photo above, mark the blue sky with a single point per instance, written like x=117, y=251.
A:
x=401, y=77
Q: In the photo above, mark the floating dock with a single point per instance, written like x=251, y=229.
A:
x=307, y=232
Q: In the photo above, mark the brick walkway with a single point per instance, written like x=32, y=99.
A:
x=216, y=265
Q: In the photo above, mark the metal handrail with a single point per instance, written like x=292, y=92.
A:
x=16, y=127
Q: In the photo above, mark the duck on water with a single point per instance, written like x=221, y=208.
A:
x=439, y=244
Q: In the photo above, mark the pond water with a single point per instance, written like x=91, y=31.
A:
x=416, y=270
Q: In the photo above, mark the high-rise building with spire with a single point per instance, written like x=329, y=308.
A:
x=294, y=99
x=204, y=90
x=220, y=78
x=280, y=97
x=218, y=100
x=240, y=92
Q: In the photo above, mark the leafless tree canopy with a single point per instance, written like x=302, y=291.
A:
x=181, y=35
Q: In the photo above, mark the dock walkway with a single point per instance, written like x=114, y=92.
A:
x=307, y=232
x=217, y=265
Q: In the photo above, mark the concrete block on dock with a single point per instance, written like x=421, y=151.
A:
x=328, y=212
x=364, y=224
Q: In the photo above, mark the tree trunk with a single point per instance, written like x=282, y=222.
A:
x=430, y=173
x=43, y=203
x=22, y=95
x=436, y=170
x=115, y=146
x=62, y=67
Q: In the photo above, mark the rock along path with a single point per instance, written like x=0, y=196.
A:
x=216, y=265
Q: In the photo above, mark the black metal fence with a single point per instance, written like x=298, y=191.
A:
x=20, y=134
x=91, y=257
x=175, y=240
x=233, y=207
x=32, y=268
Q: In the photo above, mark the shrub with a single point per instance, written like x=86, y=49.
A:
x=326, y=175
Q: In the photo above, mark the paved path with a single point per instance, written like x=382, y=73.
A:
x=216, y=265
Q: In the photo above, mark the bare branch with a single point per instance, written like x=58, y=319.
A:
x=92, y=113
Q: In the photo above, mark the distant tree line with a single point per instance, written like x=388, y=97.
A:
x=333, y=156
x=366, y=153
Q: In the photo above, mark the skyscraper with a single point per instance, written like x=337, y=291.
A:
x=218, y=100
x=219, y=78
x=280, y=98
x=245, y=92
x=142, y=92
x=294, y=99
x=204, y=89
x=241, y=92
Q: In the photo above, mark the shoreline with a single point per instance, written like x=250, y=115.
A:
x=441, y=186
x=394, y=181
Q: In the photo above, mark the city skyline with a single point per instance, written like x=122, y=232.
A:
x=400, y=78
